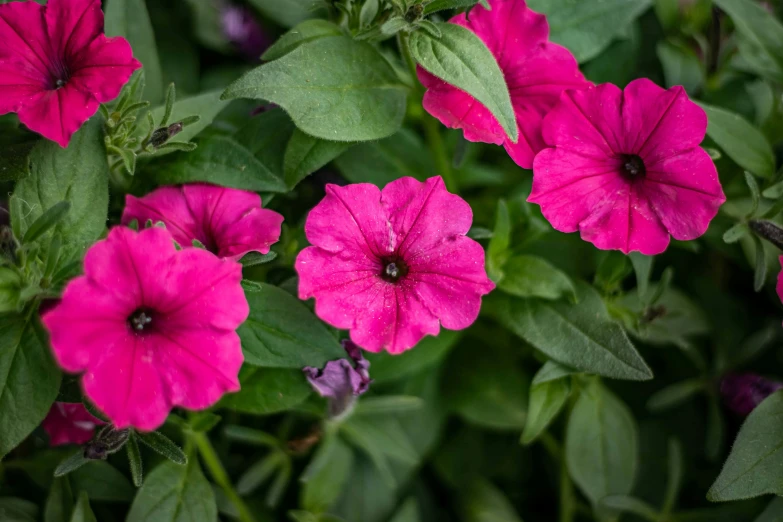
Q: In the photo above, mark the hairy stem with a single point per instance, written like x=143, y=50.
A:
x=431, y=125
x=213, y=464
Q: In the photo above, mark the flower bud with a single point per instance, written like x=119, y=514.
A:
x=164, y=134
x=743, y=392
x=340, y=381
x=106, y=442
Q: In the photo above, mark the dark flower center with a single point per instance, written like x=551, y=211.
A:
x=59, y=75
x=394, y=268
x=632, y=167
x=141, y=320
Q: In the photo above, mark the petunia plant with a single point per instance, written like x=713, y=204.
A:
x=391, y=260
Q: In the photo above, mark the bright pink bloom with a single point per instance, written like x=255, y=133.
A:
x=229, y=222
x=57, y=66
x=151, y=327
x=536, y=71
x=69, y=423
x=389, y=265
x=626, y=169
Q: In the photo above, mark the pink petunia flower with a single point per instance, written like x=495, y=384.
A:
x=228, y=222
x=390, y=265
x=536, y=71
x=69, y=423
x=626, y=169
x=57, y=66
x=151, y=327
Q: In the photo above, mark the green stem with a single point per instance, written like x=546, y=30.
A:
x=431, y=125
x=567, y=501
x=212, y=462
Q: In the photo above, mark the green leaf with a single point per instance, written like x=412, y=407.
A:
x=287, y=13
x=15, y=160
x=681, y=66
x=207, y=106
x=736, y=233
x=388, y=404
x=102, y=482
x=259, y=472
x=773, y=513
x=78, y=174
x=130, y=19
x=281, y=332
x=531, y=276
x=486, y=388
x=586, y=27
x=134, y=460
x=582, y=336
x=29, y=379
x=546, y=401
x=552, y=371
x=762, y=34
x=760, y=270
x=325, y=476
x=460, y=58
x=674, y=394
x=83, y=512
x=740, y=140
x=162, y=445
x=306, y=154
x=755, y=464
x=601, y=446
x=483, y=502
x=46, y=221
x=642, y=265
x=17, y=510
x=427, y=353
x=256, y=258
x=174, y=493
x=70, y=464
x=409, y=512
x=442, y=5
x=497, y=251
x=219, y=160
x=268, y=390
x=59, y=503
x=626, y=504
x=383, y=161
x=333, y=88
x=307, y=31
x=674, y=476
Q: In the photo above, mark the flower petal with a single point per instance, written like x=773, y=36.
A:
x=685, y=192
x=450, y=281
x=424, y=214
x=73, y=24
x=351, y=218
x=165, y=204
x=660, y=123
x=25, y=43
x=57, y=114
x=103, y=67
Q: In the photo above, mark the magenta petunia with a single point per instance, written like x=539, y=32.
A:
x=536, y=71
x=228, y=222
x=625, y=168
x=151, y=327
x=392, y=265
x=57, y=66
x=69, y=423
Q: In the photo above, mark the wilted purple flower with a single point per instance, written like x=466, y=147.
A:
x=241, y=28
x=340, y=381
x=743, y=392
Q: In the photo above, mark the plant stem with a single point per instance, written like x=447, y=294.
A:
x=567, y=503
x=768, y=230
x=431, y=125
x=219, y=474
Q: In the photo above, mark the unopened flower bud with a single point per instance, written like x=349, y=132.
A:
x=164, y=134
x=340, y=381
x=106, y=442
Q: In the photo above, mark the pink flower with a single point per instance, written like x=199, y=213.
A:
x=626, y=169
x=69, y=423
x=150, y=326
x=57, y=66
x=229, y=222
x=536, y=71
x=389, y=265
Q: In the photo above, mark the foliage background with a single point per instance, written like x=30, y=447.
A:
x=480, y=425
